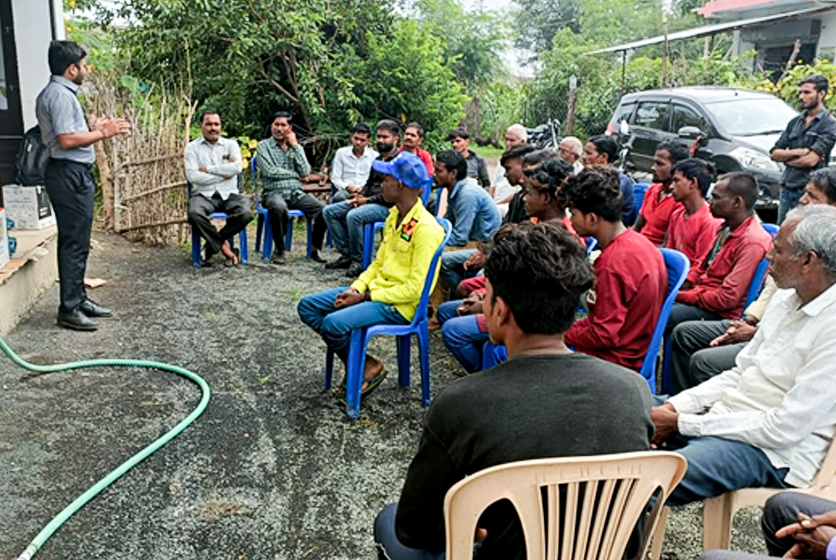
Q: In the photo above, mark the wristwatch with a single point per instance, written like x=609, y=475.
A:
x=367, y=295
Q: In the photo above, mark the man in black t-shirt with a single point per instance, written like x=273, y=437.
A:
x=546, y=401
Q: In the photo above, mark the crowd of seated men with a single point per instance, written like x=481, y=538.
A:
x=753, y=402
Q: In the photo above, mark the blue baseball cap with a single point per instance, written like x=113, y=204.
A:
x=406, y=168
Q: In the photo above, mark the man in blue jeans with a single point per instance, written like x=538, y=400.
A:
x=347, y=219
x=471, y=210
x=389, y=290
x=769, y=421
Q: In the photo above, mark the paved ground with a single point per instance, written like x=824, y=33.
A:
x=272, y=470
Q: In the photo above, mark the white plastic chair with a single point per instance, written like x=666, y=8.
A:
x=605, y=496
x=718, y=515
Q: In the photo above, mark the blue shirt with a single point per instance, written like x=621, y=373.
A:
x=472, y=212
x=59, y=112
x=629, y=212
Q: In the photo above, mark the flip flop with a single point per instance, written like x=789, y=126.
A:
x=372, y=384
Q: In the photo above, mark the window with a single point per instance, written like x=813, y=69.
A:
x=685, y=116
x=623, y=113
x=651, y=114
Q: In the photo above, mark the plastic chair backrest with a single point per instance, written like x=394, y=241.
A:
x=638, y=194
x=760, y=272
x=591, y=243
x=678, y=267
x=254, y=171
x=771, y=229
x=569, y=508
x=424, y=302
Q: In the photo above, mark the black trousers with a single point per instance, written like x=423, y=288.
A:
x=71, y=189
x=277, y=207
x=236, y=207
x=781, y=510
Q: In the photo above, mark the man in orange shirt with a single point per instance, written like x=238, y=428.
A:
x=659, y=204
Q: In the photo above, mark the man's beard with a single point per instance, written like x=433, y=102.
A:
x=384, y=148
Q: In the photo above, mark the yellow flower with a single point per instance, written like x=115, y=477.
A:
x=245, y=163
x=253, y=144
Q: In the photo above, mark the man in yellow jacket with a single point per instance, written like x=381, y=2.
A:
x=389, y=290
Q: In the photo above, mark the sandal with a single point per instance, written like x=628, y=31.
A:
x=371, y=384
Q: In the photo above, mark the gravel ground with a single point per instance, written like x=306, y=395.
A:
x=272, y=470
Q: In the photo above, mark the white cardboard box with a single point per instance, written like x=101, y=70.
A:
x=28, y=207
x=4, y=239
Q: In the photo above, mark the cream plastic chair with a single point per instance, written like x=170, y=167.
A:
x=718, y=515
x=605, y=495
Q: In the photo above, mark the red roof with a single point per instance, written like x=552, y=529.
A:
x=716, y=6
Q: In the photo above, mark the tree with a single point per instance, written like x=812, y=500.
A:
x=324, y=60
x=537, y=21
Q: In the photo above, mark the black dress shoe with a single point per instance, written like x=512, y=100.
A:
x=355, y=270
x=342, y=262
x=277, y=258
x=93, y=309
x=76, y=320
x=315, y=256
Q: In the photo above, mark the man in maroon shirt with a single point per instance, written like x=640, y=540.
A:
x=659, y=204
x=717, y=288
x=631, y=279
x=692, y=229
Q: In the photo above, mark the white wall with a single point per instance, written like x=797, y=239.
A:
x=33, y=32
x=827, y=38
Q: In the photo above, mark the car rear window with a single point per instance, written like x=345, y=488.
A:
x=651, y=114
x=685, y=116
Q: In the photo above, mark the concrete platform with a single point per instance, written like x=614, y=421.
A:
x=25, y=278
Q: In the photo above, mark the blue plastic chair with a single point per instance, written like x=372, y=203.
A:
x=360, y=338
x=760, y=272
x=639, y=189
x=591, y=243
x=370, y=230
x=264, y=223
x=197, y=258
x=678, y=267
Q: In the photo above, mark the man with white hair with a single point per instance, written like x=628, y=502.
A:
x=503, y=191
x=570, y=150
x=768, y=421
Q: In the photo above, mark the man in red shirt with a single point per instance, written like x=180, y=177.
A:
x=413, y=137
x=631, y=279
x=717, y=288
x=692, y=229
x=659, y=204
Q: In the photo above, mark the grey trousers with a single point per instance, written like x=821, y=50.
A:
x=693, y=360
x=781, y=510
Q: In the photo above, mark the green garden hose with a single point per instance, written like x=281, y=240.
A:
x=94, y=490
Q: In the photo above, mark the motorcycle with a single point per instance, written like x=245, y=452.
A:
x=546, y=135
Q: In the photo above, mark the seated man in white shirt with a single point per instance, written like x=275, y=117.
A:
x=352, y=164
x=213, y=164
x=769, y=421
x=503, y=191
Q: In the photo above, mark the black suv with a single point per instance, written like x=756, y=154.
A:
x=733, y=128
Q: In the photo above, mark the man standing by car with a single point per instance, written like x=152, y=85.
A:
x=806, y=143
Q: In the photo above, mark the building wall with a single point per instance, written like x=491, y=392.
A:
x=827, y=39
x=33, y=32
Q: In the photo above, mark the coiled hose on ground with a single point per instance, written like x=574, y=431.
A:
x=94, y=490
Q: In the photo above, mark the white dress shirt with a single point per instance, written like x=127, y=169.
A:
x=347, y=169
x=502, y=188
x=222, y=161
x=781, y=394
